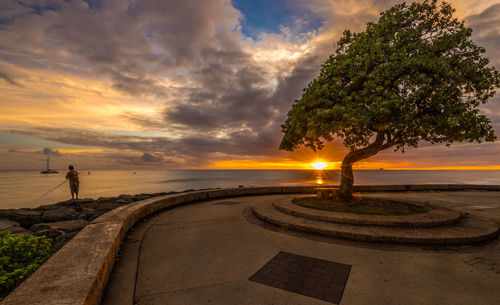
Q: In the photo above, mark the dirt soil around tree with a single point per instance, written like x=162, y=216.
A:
x=362, y=205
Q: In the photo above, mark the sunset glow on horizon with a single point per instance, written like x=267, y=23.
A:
x=319, y=165
x=191, y=85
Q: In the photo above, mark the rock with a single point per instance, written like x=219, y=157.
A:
x=18, y=230
x=107, y=206
x=105, y=199
x=46, y=207
x=66, y=236
x=75, y=202
x=50, y=233
x=66, y=226
x=25, y=217
x=5, y=223
x=40, y=227
x=12, y=226
x=82, y=216
x=58, y=244
x=59, y=215
x=120, y=201
x=124, y=199
x=160, y=194
x=89, y=214
x=140, y=197
x=95, y=215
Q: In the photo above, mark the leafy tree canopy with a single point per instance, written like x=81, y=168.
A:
x=413, y=75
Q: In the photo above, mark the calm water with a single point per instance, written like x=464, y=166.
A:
x=28, y=188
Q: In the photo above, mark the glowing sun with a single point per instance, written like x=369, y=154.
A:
x=319, y=165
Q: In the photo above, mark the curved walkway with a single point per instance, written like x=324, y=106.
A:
x=205, y=253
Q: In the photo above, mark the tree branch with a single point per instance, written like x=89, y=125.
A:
x=371, y=149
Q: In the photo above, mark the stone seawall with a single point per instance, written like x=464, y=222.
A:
x=79, y=271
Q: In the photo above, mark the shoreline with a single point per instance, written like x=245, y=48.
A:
x=86, y=270
x=62, y=220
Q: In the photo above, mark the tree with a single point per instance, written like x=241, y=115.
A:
x=414, y=75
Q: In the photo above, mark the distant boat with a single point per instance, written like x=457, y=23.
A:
x=48, y=170
x=381, y=169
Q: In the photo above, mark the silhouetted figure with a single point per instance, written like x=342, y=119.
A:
x=74, y=181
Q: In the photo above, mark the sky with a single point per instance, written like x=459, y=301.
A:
x=163, y=84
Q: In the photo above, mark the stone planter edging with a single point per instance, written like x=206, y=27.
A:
x=78, y=272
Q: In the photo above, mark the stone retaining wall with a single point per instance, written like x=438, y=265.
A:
x=78, y=273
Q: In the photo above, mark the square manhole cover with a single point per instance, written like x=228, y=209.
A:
x=304, y=275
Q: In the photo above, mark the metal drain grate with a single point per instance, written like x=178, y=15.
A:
x=304, y=275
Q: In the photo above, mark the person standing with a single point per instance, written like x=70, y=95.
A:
x=74, y=181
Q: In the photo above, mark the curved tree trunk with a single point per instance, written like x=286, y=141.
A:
x=346, y=180
x=346, y=174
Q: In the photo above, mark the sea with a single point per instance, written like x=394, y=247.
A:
x=27, y=189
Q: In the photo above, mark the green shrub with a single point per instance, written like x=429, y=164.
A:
x=20, y=256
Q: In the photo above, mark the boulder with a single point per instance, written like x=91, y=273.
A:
x=83, y=216
x=140, y=197
x=50, y=233
x=59, y=214
x=25, y=217
x=5, y=224
x=123, y=199
x=66, y=236
x=107, y=206
x=18, y=230
x=40, y=227
x=12, y=226
x=105, y=199
x=161, y=194
x=46, y=207
x=66, y=226
x=75, y=202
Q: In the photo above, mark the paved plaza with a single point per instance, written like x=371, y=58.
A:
x=205, y=253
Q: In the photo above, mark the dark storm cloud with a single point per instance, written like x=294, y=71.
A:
x=126, y=40
x=230, y=93
x=191, y=146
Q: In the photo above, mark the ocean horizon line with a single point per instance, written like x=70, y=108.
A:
x=258, y=169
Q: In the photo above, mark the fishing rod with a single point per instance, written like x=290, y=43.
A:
x=51, y=189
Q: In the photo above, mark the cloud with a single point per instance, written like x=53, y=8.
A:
x=8, y=79
x=151, y=157
x=50, y=151
x=174, y=79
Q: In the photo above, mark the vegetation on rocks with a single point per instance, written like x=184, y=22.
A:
x=20, y=256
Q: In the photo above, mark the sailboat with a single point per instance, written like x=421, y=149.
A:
x=48, y=170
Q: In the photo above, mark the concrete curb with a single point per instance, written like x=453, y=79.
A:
x=469, y=230
x=78, y=273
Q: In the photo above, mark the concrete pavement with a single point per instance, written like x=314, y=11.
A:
x=204, y=253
